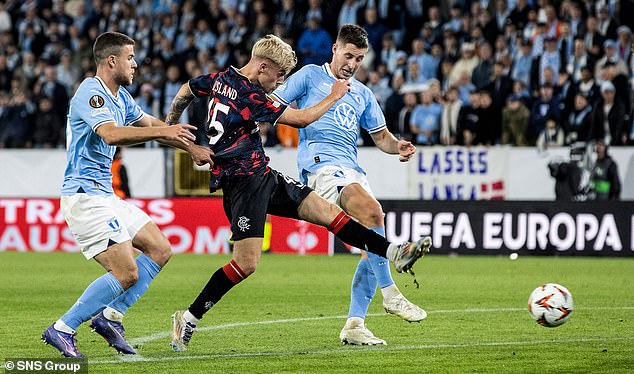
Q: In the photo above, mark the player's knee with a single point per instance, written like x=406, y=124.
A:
x=160, y=251
x=128, y=278
x=163, y=253
x=370, y=216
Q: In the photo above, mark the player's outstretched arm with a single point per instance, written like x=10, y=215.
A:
x=304, y=117
x=201, y=155
x=386, y=142
x=128, y=135
x=179, y=104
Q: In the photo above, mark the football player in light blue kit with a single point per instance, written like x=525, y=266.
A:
x=327, y=162
x=102, y=115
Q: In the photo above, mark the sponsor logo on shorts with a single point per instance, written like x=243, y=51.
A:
x=338, y=174
x=114, y=224
x=243, y=223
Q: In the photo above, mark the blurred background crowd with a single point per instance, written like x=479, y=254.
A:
x=465, y=72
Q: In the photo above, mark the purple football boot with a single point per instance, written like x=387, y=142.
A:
x=64, y=342
x=112, y=331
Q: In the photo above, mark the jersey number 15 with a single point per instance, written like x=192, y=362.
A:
x=215, y=128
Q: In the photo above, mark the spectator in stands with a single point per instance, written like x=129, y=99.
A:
x=552, y=136
x=403, y=129
x=394, y=103
x=500, y=86
x=449, y=120
x=549, y=59
x=427, y=65
x=515, y=121
x=565, y=94
x=607, y=25
x=605, y=183
x=579, y=59
x=375, y=29
x=592, y=39
x=609, y=122
x=48, y=127
x=169, y=90
x=414, y=75
x=465, y=88
x=611, y=56
x=425, y=120
x=467, y=62
x=588, y=86
x=621, y=84
x=147, y=101
x=446, y=65
x=624, y=44
x=481, y=76
x=315, y=44
x=205, y=38
x=14, y=119
x=53, y=89
x=490, y=130
x=544, y=108
x=566, y=43
x=579, y=121
x=67, y=72
x=379, y=88
x=291, y=18
x=389, y=53
x=223, y=56
x=450, y=47
x=469, y=121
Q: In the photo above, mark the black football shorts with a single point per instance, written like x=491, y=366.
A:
x=248, y=199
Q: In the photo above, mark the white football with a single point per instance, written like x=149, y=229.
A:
x=550, y=304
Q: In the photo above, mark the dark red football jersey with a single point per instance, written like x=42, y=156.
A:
x=235, y=107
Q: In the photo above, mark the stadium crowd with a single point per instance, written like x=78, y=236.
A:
x=466, y=72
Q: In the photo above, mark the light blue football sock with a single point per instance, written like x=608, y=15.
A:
x=147, y=271
x=363, y=289
x=380, y=265
x=96, y=296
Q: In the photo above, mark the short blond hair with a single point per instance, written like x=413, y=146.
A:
x=276, y=50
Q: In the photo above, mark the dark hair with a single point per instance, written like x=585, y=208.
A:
x=353, y=34
x=109, y=44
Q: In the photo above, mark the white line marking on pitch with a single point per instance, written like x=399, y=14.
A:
x=358, y=349
x=162, y=335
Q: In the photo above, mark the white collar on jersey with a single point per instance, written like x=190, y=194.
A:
x=106, y=87
x=326, y=67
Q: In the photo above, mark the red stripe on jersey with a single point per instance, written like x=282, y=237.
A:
x=339, y=221
x=233, y=272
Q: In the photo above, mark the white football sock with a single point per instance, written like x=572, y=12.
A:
x=61, y=326
x=390, y=291
x=112, y=314
x=190, y=318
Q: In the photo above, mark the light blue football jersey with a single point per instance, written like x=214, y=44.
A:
x=88, y=156
x=332, y=139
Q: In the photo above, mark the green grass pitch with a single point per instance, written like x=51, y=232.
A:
x=286, y=317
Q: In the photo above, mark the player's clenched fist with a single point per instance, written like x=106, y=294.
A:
x=340, y=87
x=405, y=150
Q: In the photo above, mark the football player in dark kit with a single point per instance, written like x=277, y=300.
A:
x=238, y=101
